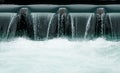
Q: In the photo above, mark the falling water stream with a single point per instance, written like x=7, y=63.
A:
x=42, y=23
x=114, y=21
x=87, y=26
x=6, y=23
x=80, y=24
x=10, y=24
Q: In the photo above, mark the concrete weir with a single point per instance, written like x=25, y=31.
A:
x=42, y=21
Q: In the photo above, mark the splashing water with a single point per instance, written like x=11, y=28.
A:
x=59, y=56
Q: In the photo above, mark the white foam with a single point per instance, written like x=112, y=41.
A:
x=59, y=56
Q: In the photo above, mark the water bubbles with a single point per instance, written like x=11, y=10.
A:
x=59, y=55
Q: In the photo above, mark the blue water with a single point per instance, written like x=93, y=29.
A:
x=59, y=56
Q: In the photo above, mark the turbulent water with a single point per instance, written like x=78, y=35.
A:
x=59, y=56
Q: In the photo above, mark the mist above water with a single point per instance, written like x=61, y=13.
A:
x=59, y=56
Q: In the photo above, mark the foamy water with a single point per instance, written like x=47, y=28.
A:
x=59, y=56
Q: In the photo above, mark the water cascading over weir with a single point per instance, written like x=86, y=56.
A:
x=40, y=22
